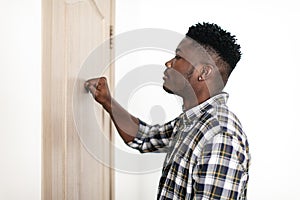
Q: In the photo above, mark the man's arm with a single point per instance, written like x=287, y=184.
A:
x=126, y=124
x=135, y=133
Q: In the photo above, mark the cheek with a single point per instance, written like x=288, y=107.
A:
x=176, y=76
x=178, y=80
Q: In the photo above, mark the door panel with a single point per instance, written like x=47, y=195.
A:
x=72, y=30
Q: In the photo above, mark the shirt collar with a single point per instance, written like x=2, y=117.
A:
x=195, y=112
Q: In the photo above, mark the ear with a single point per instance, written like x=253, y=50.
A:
x=205, y=72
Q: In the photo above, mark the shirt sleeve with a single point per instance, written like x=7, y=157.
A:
x=219, y=173
x=151, y=138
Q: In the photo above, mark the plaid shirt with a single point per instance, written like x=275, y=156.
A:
x=207, y=153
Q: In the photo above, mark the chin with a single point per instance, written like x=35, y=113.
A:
x=168, y=90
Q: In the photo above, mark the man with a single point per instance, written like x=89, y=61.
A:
x=207, y=150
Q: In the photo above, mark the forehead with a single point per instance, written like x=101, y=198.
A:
x=186, y=43
x=193, y=52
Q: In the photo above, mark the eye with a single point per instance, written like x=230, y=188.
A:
x=177, y=57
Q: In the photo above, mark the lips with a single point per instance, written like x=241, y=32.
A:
x=165, y=75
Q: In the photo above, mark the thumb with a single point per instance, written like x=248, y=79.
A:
x=90, y=88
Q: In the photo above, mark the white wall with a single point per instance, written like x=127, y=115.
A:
x=263, y=89
x=20, y=102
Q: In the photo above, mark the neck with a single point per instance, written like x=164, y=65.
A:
x=190, y=101
x=193, y=99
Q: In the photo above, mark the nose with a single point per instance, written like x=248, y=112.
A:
x=168, y=64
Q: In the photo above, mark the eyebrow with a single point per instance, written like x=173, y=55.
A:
x=177, y=50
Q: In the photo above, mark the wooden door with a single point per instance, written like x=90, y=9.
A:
x=72, y=30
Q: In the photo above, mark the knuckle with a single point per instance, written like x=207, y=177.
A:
x=102, y=80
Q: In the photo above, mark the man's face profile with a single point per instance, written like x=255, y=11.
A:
x=178, y=77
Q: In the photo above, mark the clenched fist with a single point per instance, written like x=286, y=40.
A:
x=126, y=124
x=100, y=91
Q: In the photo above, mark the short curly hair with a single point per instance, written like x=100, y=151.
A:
x=213, y=36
